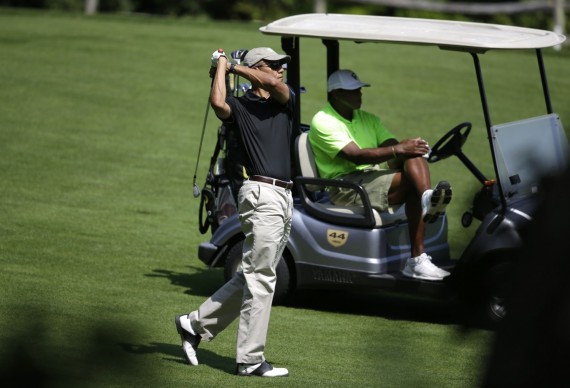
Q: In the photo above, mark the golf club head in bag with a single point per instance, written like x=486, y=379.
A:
x=238, y=55
x=242, y=88
x=232, y=79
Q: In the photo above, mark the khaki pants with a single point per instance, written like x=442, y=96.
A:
x=375, y=180
x=265, y=216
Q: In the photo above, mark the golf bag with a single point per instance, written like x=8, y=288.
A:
x=226, y=172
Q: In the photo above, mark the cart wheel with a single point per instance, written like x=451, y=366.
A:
x=467, y=219
x=496, y=282
x=282, y=287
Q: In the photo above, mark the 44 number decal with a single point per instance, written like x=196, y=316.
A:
x=337, y=238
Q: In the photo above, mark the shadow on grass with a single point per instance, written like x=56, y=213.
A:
x=33, y=355
x=173, y=353
x=370, y=302
x=380, y=304
x=198, y=281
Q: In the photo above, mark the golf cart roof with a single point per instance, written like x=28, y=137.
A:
x=467, y=36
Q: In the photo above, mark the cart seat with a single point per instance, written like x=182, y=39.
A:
x=316, y=201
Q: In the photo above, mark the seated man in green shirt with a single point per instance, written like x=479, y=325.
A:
x=350, y=144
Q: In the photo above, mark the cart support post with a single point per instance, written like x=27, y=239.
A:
x=487, y=115
x=332, y=56
x=544, y=81
x=291, y=46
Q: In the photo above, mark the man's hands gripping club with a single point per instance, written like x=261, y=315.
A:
x=216, y=56
x=214, y=60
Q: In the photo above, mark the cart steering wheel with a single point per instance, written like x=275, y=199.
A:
x=450, y=144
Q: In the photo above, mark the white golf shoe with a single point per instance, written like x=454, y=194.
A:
x=190, y=340
x=435, y=201
x=421, y=267
x=263, y=369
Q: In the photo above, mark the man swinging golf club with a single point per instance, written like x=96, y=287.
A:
x=263, y=118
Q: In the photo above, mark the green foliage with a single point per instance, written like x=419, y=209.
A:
x=248, y=10
x=215, y=9
x=115, y=5
x=69, y=5
x=160, y=7
x=23, y=3
x=428, y=15
x=253, y=9
x=65, y=5
x=269, y=10
x=357, y=9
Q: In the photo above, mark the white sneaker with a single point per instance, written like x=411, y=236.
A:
x=190, y=340
x=421, y=267
x=263, y=369
x=435, y=201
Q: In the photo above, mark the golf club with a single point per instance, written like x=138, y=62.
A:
x=196, y=188
x=237, y=56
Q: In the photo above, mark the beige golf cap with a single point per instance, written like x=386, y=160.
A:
x=263, y=53
x=344, y=79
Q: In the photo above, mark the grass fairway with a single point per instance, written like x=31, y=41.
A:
x=100, y=121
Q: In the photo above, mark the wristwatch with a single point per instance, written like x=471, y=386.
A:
x=233, y=68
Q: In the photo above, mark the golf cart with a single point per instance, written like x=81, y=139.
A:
x=350, y=246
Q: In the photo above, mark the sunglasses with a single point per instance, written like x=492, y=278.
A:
x=273, y=65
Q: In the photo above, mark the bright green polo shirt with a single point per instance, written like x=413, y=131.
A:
x=330, y=132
